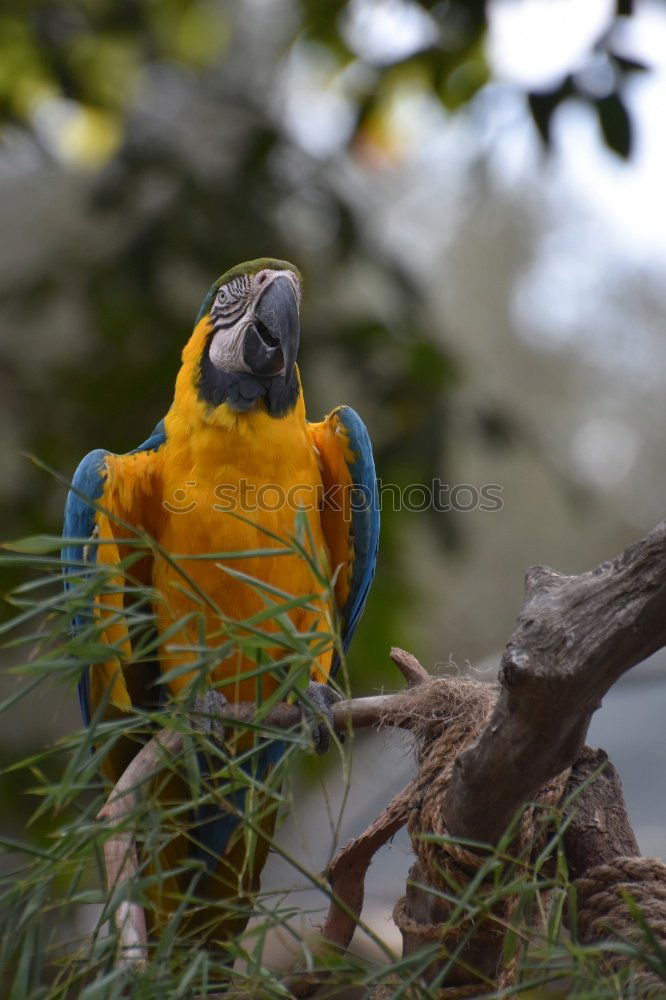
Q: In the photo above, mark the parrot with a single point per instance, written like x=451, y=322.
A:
x=231, y=469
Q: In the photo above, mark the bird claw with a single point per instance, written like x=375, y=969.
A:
x=206, y=718
x=320, y=698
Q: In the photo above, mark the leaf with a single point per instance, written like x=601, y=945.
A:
x=36, y=544
x=542, y=104
x=615, y=124
x=627, y=65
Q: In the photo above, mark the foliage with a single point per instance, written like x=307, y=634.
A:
x=57, y=932
x=59, y=869
x=93, y=53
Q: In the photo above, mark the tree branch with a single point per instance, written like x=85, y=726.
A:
x=574, y=638
x=599, y=830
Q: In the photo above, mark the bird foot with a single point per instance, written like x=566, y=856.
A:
x=320, y=698
x=206, y=714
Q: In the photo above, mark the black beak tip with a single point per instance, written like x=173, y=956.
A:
x=271, y=343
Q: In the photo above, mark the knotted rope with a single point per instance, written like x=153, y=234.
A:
x=604, y=911
x=448, y=866
x=446, y=718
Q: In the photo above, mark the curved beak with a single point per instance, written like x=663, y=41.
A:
x=271, y=342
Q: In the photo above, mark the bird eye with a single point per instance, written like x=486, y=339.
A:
x=221, y=295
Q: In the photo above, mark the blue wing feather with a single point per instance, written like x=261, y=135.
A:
x=155, y=440
x=364, y=523
x=79, y=523
x=88, y=485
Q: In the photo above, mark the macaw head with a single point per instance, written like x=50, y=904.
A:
x=243, y=351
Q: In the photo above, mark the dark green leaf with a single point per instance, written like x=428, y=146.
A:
x=542, y=104
x=627, y=65
x=615, y=124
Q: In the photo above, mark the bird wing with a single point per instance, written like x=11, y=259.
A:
x=89, y=534
x=350, y=511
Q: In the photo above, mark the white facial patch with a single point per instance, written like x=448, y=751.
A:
x=226, y=348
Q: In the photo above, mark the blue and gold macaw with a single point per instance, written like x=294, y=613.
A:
x=237, y=422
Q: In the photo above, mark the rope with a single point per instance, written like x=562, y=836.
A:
x=447, y=719
x=448, y=866
x=603, y=911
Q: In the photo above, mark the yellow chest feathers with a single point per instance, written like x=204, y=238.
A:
x=240, y=491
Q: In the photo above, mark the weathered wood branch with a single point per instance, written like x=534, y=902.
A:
x=120, y=855
x=346, y=875
x=575, y=636
x=599, y=830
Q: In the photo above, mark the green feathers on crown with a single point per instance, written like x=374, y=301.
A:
x=247, y=267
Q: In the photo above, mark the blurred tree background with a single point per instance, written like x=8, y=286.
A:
x=472, y=192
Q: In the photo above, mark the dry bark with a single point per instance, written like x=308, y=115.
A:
x=575, y=636
x=600, y=830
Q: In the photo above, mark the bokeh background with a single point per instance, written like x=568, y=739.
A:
x=474, y=192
